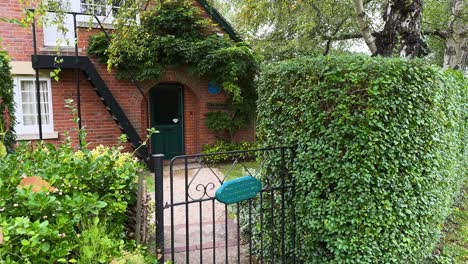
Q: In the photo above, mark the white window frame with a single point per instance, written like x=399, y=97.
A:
x=107, y=19
x=25, y=132
x=54, y=37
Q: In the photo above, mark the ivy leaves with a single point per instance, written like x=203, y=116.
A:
x=176, y=33
x=7, y=109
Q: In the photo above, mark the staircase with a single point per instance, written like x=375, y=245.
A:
x=84, y=64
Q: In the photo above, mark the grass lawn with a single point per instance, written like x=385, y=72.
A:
x=453, y=245
x=237, y=170
x=149, y=177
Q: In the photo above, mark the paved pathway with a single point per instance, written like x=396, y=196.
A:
x=206, y=221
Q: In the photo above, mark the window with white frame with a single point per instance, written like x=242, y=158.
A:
x=26, y=106
x=104, y=8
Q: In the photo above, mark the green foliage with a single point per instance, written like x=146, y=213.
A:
x=436, y=16
x=42, y=227
x=225, y=122
x=218, y=121
x=224, y=146
x=7, y=108
x=380, y=153
x=98, y=243
x=453, y=245
x=98, y=45
x=176, y=33
x=284, y=29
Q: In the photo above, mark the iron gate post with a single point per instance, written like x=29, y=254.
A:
x=159, y=196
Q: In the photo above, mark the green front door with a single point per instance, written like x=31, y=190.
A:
x=167, y=116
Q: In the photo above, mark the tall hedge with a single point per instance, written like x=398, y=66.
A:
x=380, y=153
x=6, y=99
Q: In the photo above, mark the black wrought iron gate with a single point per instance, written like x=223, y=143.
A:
x=193, y=227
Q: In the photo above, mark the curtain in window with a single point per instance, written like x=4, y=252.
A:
x=29, y=103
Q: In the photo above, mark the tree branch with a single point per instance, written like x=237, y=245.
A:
x=361, y=19
x=439, y=33
x=329, y=41
x=344, y=36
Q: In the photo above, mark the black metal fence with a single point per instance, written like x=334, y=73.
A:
x=193, y=227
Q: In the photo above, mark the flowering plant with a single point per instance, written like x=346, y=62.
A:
x=46, y=192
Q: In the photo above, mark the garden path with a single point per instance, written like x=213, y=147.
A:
x=206, y=220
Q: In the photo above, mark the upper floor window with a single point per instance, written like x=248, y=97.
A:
x=100, y=7
x=105, y=10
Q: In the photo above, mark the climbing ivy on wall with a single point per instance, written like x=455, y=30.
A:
x=7, y=137
x=176, y=33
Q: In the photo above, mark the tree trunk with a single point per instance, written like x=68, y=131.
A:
x=401, y=35
x=364, y=27
x=456, y=46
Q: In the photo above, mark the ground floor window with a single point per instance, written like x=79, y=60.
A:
x=26, y=106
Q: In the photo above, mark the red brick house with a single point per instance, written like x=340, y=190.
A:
x=175, y=104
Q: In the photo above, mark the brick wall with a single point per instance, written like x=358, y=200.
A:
x=100, y=126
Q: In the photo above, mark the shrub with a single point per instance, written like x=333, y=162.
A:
x=7, y=109
x=380, y=153
x=98, y=243
x=224, y=146
x=41, y=226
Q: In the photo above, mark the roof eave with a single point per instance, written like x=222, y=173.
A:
x=218, y=18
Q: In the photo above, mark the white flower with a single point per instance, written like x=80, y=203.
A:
x=15, y=205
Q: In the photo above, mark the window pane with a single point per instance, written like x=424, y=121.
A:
x=27, y=91
x=29, y=103
x=29, y=120
x=95, y=7
x=116, y=6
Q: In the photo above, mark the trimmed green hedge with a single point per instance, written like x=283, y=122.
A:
x=6, y=100
x=380, y=153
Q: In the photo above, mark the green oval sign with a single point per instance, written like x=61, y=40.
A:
x=238, y=190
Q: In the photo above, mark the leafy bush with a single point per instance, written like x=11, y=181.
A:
x=218, y=121
x=176, y=33
x=41, y=226
x=224, y=146
x=226, y=124
x=7, y=109
x=98, y=243
x=380, y=153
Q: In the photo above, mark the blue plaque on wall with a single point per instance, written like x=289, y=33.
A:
x=213, y=89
